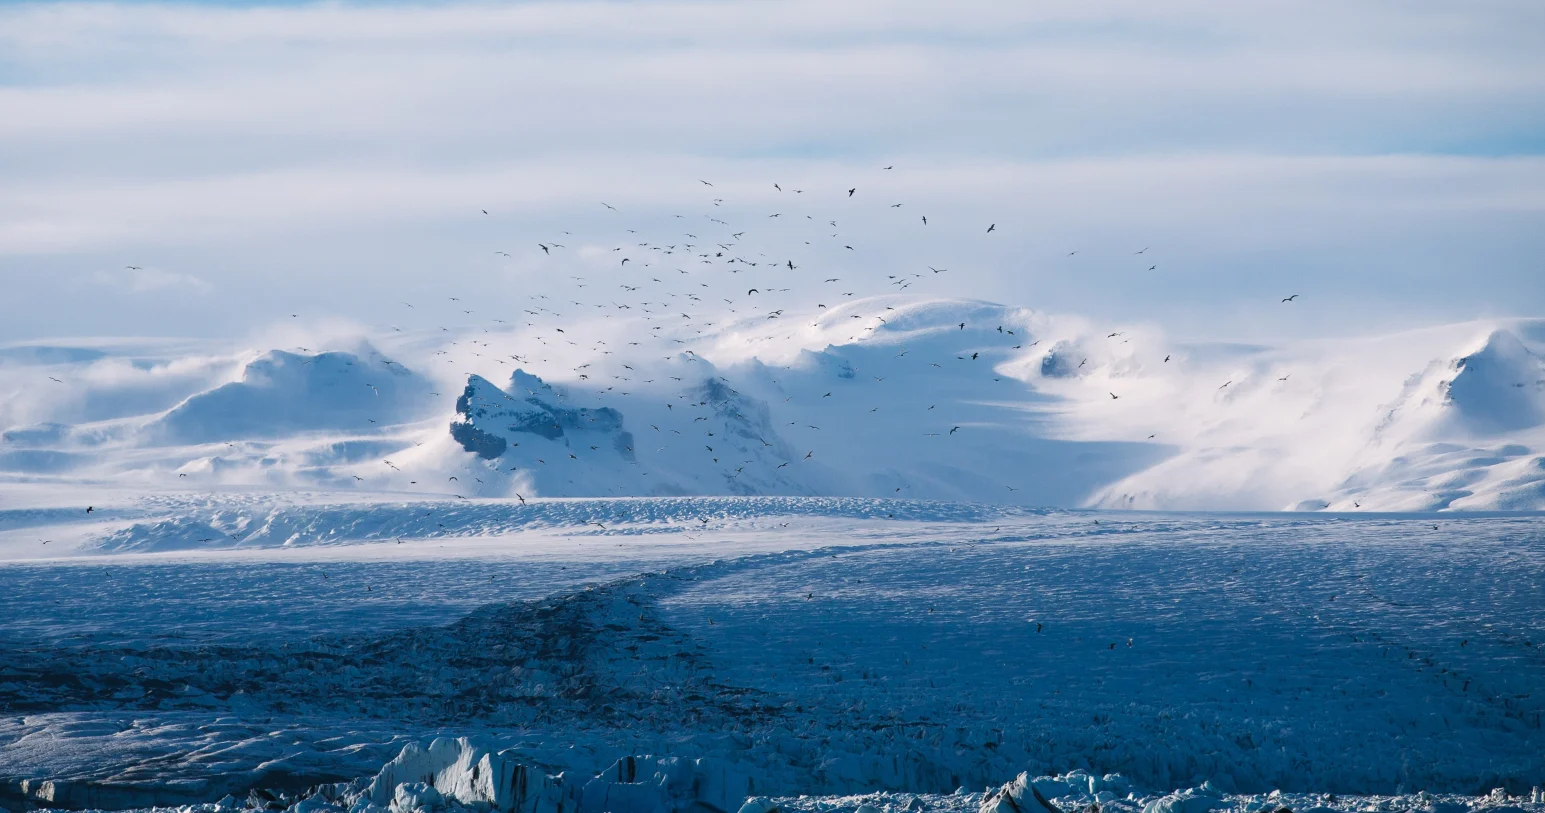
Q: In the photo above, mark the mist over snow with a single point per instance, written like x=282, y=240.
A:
x=892, y=395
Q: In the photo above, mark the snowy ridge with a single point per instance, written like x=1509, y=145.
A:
x=284, y=393
x=256, y=525
x=889, y=396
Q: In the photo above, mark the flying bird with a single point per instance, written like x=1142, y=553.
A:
x=1291, y=298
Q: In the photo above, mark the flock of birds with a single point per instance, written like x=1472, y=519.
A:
x=756, y=279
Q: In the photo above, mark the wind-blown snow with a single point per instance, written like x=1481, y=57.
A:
x=883, y=397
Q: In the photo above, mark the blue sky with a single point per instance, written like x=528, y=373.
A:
x=1385, y=160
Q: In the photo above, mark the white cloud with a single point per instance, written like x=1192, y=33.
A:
x=150, y=280
x=339, y=148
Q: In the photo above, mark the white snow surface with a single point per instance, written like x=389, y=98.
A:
x=884, y=396
x=804, y=556
x=786, y=646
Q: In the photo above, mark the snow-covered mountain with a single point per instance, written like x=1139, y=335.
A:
x=890, y=396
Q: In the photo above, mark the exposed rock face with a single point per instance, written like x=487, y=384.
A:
x=493, y=420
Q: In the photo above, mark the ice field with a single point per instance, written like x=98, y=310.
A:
x=803, y=567
x=807, y=647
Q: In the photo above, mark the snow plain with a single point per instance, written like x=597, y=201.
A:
x=801, y=646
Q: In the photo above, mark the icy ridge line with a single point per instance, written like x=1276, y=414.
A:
x=460, y=776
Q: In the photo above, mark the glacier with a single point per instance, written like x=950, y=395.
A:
x=903, y=554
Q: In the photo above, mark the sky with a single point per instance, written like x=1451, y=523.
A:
x=1184, y=165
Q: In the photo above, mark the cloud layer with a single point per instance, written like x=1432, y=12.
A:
x=1384, y=158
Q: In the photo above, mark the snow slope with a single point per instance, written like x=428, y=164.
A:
x=888, y=396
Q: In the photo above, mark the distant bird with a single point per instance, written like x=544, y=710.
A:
x=704, y=183
x=544, y=248
x=925, y=220
x=1113, y=396
x=89, y=509
x=1291, y=298
x=954, y=429
x=990, y=228
x=55, y=380
x=603, y=203
x=851, y=191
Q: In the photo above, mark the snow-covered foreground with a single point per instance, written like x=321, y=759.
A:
x=792, y=645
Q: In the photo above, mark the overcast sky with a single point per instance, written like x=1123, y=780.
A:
x=1384, y=160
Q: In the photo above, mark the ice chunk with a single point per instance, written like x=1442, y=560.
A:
x=1187, y=801
x=758, y=804
x=1019, y=796
x=412, y=797
x=460, y=770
